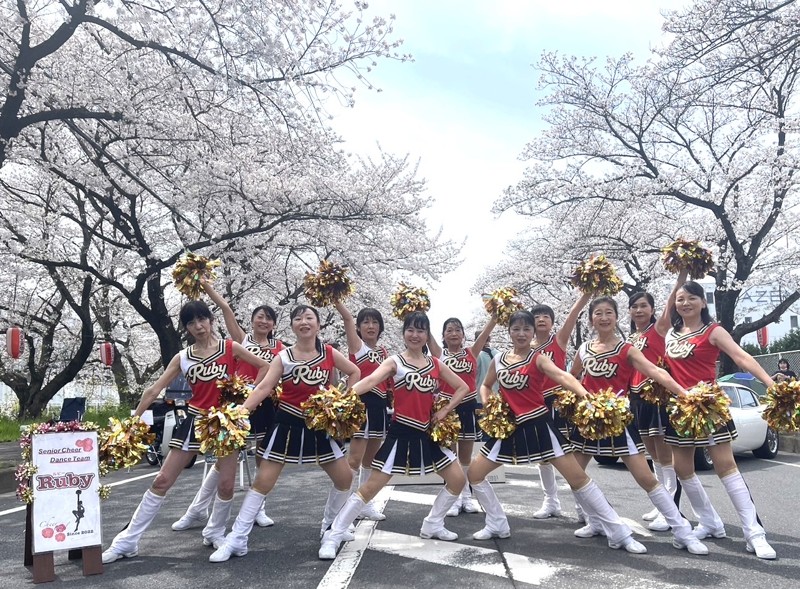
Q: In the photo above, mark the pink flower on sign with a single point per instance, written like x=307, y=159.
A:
x=60, y=537
x=48, y=532
x=61, y=528
x=85, y=444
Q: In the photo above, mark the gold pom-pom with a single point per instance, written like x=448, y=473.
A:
x=276, y=394
x=234, y=390
x=565, y=402
x=330, y=284
x=190, y=270
x=337, y=411
x=602, y=415
x=445, y=432
x=104, y=491
x=496, y=418
x=222, y=430
x=502, y=303
x=596, y=276
x=783, y=406
x=683, y=254
x=124, y=442
x=701, y=412
x=408, y=299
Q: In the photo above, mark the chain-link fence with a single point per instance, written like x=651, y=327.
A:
x=769, y=362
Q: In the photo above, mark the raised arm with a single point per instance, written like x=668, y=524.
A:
x=433, y=346
x=483, y=337
x=650, y=370
x=723, y=340
x=350, y=328
x=562, y=336
x=231, y=324
x=664, y=321
x=561, y=378
x=149, y=395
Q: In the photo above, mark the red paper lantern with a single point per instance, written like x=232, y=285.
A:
x=762, y=336
x=15, y=342
x=107, y=354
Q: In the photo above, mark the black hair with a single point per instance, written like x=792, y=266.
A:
x=783, y=361
x=302, y=309
x=543, y=310
x=693, y=288
x=599, y=301
x=417, y=320
x=521, y=316
x=194, y=310
x=453, y=320
x=269, y=311
x=369, y=313
x=642, y=295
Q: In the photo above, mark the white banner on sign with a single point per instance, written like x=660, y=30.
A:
x=66, y=502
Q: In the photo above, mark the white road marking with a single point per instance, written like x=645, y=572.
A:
x=794, y=464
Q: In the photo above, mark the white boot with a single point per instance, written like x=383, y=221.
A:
x=595, y=504
x=369, y=511
x=235, y=543
x=551, y=506
x=197, y=512
x=746, y=509
x=710, y=522
x=262, y=519
x=214, y=532
x=670, y=482
x=338, y=531
x=126, y=543
x=659, y=473
x=336, y=499
x=496, y=520
x=592, y=526
x=579, y=512
x=468, y=504
x=681, y=528
x=433, y=524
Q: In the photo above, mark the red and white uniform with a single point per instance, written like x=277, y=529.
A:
x=521, y=384
x=602, y=370
x=368, y=360
x=266, y=352
x=692, y=357
x=414, y=390
x=652, y=345
x=465, y=365
x=558, y=355
x=303, y=378
x=202, y=374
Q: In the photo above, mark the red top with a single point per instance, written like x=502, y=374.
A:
x=368, y=360
x=465, y=365
x=651, y=344
x=520, y=384
x=303, y=378
x=414, y=389
x=691, y=357
x=558, y=355
x=202, y=374
x=606, y=369
x=267, y=352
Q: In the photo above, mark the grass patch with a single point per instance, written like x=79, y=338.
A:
x=9, y=428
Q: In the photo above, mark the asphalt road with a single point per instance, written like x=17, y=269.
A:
x=390, y=554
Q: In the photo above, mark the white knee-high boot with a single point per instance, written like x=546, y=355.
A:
x=496, y=520
x=214, y=532
x=551, y=506
x=338, y=531
x=433, y=524
x=746, y=509
x=710, y=522
x=468, y=504
x=197, y=512
x=659, y=472
x=336, y=499
x=369, y=511
x=235, y=543
x=595, y=504
x=126, y=543
x=681, y=528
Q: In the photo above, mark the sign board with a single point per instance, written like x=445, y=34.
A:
x=66, y=502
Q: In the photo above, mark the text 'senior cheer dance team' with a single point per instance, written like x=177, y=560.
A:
x=526, y=377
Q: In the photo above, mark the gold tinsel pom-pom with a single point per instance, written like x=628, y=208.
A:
x=337, y=411
x=407, y=299
x=104, y=491
x=124, y=442
x=445, y=432
x=496, y=419
x=701, y=412
x=330, y=284
x=234, y=390
x=222, y=430
x=654, y=393
x=596, y=276
x=190, y=270
x=783, y=406
x=565, y=402
x=502, y=303
x=602, y=415
x=683, y=254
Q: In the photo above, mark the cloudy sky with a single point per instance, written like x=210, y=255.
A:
x=465, y=107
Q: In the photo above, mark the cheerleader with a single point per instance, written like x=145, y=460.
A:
x=647, y=336
x=363, y=350
x=554, y=346
x=463, y=362
x=301, y=370
x=261, y=343
x=609, y=362
x=202, y=364
x=522, y=374
x=408, y=448
x=693, y=345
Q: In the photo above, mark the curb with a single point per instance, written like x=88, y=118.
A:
x=7, y=482
x=789, y=443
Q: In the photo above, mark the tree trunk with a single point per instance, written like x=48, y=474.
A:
x=725, y=304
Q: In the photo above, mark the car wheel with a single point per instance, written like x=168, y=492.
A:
x=702, y=459
x=769, y=449
x=606, y=460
